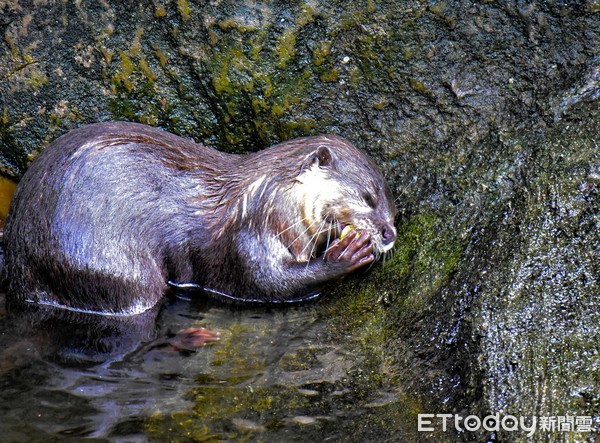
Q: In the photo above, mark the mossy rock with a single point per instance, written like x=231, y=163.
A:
x=482, y=115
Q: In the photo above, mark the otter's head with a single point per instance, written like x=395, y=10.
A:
x=341, y=186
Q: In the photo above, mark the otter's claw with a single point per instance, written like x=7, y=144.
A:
x=353, y=251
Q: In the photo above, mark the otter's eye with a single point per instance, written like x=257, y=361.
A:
x=369, y=200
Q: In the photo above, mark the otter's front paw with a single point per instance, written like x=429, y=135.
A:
x=352, y=252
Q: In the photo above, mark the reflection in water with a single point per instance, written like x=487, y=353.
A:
x=73, y=338
x=273, y=375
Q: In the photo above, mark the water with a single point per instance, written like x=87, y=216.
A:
x=274, y=375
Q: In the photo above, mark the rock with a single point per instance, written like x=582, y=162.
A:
x=483, y=115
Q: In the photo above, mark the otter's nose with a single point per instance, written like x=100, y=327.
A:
x=388, y=234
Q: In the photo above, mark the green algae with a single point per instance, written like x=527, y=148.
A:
x=147, y=70
x=217, y=407
x=219, y=400
x=285, y=48
x=123, y=77
x=418, y=86
x=239, y=404
x=260, y=87
x=330, y=76
x=160, y=11
x=241, y=69
x=423, y=261
x=242, y=86
x=356, y=313
x=184, y=9
x=321, y=53
x=36, y=80
x=252, y=82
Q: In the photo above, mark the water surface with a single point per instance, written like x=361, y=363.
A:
x=274, y=375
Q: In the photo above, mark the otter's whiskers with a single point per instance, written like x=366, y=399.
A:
x=313, y=240
x=301, y=234
x=279, y=234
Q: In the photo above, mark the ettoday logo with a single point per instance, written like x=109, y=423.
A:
x=508, y=423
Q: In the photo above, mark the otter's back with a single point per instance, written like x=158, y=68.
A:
x=93, y=214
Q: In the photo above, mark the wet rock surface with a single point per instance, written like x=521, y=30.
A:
x=483, y=116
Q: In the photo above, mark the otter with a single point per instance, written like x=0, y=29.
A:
x=112, y=215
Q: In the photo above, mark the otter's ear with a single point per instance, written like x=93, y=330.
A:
x=321, y=157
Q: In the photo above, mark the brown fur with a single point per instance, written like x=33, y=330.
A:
x=109, y=213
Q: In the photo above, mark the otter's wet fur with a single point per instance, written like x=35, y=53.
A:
x=109, y=213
